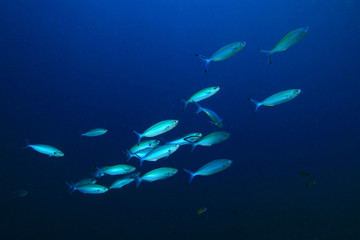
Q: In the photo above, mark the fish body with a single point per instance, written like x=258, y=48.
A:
x=310, y=183
x=114, y=170
x=210, y=168
x=141, y=148
x=155, y=175
x=160, y=152
x=215, y=119
x=88, y=189
x=201, y=95
x=140, y=154
x=46, y=149
x=119, y=183
x=95, y=132
x=278, y=98
x=186, y=139
x=287, y=41
x=201, y=210
x=223, y=53
x=157, y=129
x=212, y=138
x=85, y=181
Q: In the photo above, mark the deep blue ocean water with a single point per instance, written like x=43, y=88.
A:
x=70, y=66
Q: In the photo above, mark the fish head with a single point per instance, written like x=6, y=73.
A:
x=216, y=89
x=175, y=122
x=243, y=44
x=172, y=172
x=58, y=154
x=131, y=169
x=296, y=92
x=227, y=163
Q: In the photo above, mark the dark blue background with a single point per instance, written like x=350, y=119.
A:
x=70, y=66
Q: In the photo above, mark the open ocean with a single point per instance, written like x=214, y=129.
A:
x=70, y=66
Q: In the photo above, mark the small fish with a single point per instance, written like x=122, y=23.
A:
x=186, y=139
x=19, y=193
x=159, y=152
x=215, y=119
x=310, y=183
x=119, y=183
x=157, y=129
x=287, y=41
x=140, y=154
x=95, y=132
x=114, y=170
x=276, y=99
x=304, y=174
x=46, y=149
x=201, y=95
x=201, y=210
x=223, y=53
x=210, y=139
x=88, y=189
x=155, y=175
x=144, y=145
x=85, y=181
x=210, y=168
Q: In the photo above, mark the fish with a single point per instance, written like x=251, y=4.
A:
x=223, y=53
x=95, y=132
x=186, y=139
x=159, y=152
x=276, y=99
x=137, y=148
x=140, y=154
x=201, y=210
x=310, y=183
x=114, y=170
x=210, y=168
x=201, y=95
x=157, y=129
x=215, y=119
x=46, y=149
x=155, y=175
x=287, y=41
x=119, y=183
x=88, y=188
x=210, y=139
x=304, y=174
x=85, y=181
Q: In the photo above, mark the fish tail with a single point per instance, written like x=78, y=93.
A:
x=185, y=104
x=137, y=178
x=27, y=144
x=207, y=61
x=268, y=52
x=257, y=103
x=129, y=155
x=193, y=145
x=139, y=135
x=199, y=107
x=71, y=186
x=101, y=173
x=192, y=175
x=141, y=161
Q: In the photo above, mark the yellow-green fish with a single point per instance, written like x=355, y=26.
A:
x=201, y=95
x=215, y=119
x=223, y=53
x=287, y=41
x=210, y=168
x=147, y=144
x=88, y=189
x=95, y=132
x=46, y=149
x=276, y=99
x=159, y=152
x=155, y=175
x=210, y=139
x=157, y=129
x=114, y=170
x=119, y=183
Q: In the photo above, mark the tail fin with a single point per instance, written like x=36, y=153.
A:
x=71, y=186
x=192, y=175
x=99, y=173
x=268, y=52
x=137, y=178
x=27, y=144
x=207, y=61
x=129, y=155
x=257, y=103
x=185, y=104
x=199, y=107
x=193, y=145
x=139, y=135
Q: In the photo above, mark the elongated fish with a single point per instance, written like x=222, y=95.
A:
x=210, y=168
x=114, y=170
x=186, y=139
x=201, y=95
x=88, y=189
x=210, y=139
x=140, y=154
x=157, y=129
x=155, y=175
x=276, y=99
x=159, y=152
x=215, y=119
x=85, y=181
x=147, y=144
x=94, y=132
x=223, y=53
x=46, y=149
x=119, y=183
x=287, y=41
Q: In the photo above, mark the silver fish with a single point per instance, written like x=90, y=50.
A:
x=210, y=168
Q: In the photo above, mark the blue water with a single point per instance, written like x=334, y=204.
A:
x=70, y=66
